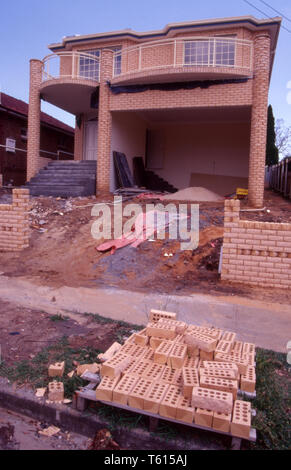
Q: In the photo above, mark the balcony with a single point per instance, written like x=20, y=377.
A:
x=69, y=79
x=184, y=59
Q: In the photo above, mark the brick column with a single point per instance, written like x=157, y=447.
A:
x=259, y=119
x=78, y=141
x=33, y=141
x=104, y=123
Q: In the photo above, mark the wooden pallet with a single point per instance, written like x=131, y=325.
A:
x=86, y=395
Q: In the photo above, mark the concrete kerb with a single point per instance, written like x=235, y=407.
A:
x=24, y=402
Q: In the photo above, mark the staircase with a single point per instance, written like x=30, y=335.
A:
x=65, y=178
x=156, y=183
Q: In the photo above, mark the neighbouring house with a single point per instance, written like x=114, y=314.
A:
x=56, y=140
x=190, y=99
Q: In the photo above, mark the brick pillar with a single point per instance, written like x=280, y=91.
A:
x=78, y=141
x=104, y=123
x=33, y=140
x=259, y=119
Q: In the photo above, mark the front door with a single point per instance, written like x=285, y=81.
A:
x=90, y=140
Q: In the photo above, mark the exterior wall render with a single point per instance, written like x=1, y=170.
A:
x=14, y=222
x=256, y=253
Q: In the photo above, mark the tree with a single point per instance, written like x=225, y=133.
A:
x=283, y=137
x=272, y=152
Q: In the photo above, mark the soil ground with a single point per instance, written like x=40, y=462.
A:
x=63, y=252
x=18, y=432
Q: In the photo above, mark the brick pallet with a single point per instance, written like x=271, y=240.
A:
x=175, y=379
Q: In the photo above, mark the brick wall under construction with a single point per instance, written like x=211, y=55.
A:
x=256, y=253
x=14, y=223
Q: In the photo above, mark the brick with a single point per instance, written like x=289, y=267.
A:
x=177, y=355
x=116, y=365
x=248, y=380
x=56, y=391
x=193, y=351
x=237, y=347
x=180, y=326
x=162, y=352
x=171, y=376
x=141, y=338
x=148, y=355
x=241, y=420
x=155, y=315
x=168, y=405
x=207, y=356
x=139, y=367
x=200, y=341
x=123, y=388
x=220, y=369
x=191, y=362
x=210, y=399
x=248, y=348
x=57, y=369
x=104, y=391
x=155, y=342
x=221, y=421
x=240, y=360
x=203, y=417
x=223, y=347
x=137, y=394
x=219, y=383
x=229, y=336
x=161, y=330
x=153, y=371
x=190, y=379
x=132, y=349
x=154, y=396
x=185, y=412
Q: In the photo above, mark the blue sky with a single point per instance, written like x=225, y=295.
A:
x=28, y=26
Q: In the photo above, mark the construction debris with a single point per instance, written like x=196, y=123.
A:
x=50, y=431
x=88, y=367
x=40, y=392
x=56, y=391
x=57, y=369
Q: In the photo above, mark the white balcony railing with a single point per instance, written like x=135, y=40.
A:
x=71, y=65
x=226, y=52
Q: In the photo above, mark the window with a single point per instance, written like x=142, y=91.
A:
x=214, y=52
x=117, y=60
x=23, y=134
x=89, y=68
x=10, y=145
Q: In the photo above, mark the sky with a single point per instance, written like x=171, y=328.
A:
x=28, y=26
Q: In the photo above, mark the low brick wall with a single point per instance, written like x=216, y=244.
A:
x=255, y=252
x=14, y=223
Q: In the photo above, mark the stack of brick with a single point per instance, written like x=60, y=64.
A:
x=14, y=222
x=256, y=253
x=163, y=369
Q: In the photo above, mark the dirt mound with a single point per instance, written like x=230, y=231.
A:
x=194, y=194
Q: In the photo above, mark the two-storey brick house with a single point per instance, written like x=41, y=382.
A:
x=191, y=99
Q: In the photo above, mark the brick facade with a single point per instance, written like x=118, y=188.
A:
x=54, y=136
x=14, y=223
x=252, y=60
x=256, y=253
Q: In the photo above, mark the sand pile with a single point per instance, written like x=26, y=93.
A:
x=194, y=194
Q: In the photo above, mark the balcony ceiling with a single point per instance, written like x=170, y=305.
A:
x=70, y=95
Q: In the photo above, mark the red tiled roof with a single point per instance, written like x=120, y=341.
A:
x=18, y=106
